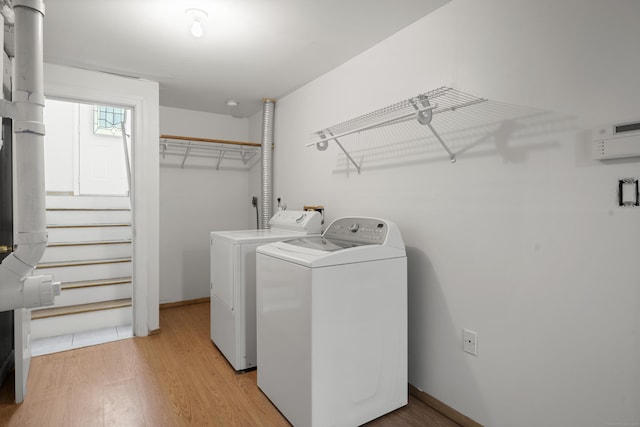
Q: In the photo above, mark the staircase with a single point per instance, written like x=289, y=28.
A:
x=89, y=252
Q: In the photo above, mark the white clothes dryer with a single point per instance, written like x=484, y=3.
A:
x=233, y=281
x=332, y=323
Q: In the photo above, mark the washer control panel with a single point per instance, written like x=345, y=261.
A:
x=358, y=230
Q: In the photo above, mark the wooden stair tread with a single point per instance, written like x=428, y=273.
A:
x=97, y=242
x=85, y=262
x=91, y=283
x=80, y=308
x=123, y=224
x=88, y=209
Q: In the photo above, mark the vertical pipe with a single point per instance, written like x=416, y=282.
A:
x=29, y=129
x=18, y=288
x=267, y=161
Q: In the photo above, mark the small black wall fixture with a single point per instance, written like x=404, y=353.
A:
x=628, y=194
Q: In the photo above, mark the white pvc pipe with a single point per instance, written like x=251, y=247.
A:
x=16, y=289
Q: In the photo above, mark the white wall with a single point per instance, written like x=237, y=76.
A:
x=196, y=200
x=520, y=240
x=142, y=96
x=60, y=118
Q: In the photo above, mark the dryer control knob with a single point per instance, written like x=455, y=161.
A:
x=354, y=227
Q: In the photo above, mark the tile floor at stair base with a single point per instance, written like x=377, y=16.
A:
x=80, y=339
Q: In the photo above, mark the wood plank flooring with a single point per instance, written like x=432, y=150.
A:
x=175, y=378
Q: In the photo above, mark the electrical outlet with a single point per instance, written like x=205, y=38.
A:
x=470, y=341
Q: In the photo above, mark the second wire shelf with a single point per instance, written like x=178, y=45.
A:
x=220, y=149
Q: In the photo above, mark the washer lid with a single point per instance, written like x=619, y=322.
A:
x=284, y=225
x=323, y=244
x=310, y=257
x=346, y=241
x=243, y=237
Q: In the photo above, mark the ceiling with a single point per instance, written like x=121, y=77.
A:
x=251, y=49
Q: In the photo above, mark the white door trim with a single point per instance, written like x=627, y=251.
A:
x=142, y=97
x=22, y=350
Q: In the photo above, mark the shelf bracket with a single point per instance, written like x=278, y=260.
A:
x=452, y=156
x=186, y=154
x=331, y=136
x=220, y=156
x=424, y=114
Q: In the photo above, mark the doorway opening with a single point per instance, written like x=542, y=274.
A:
x=89, y=220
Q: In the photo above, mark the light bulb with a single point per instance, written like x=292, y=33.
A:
x=197, y=16
x=196, y=29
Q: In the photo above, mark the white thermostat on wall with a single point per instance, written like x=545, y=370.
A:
x=616, y=141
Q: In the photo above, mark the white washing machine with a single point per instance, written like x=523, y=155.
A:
x=332, y=323
x=233, y=281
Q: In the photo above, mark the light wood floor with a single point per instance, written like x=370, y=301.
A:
x=175, y=378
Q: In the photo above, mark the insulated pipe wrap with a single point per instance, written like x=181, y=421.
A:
x=267, y=162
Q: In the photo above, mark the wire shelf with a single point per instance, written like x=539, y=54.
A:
x=425, y=108
x=185, y=147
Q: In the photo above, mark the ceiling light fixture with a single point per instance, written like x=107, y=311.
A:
x=233, y=106
x=197, y=16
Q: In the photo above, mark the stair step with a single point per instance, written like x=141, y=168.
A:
x=120, y=224
x=86, y=209
x=68, y=201
x=81, y=308
x=86, y=270
x=85, y=295
x=92, y=283
x=99, y=316
x=61, y=216
x=98, y=242
x=82, y=263
x=95, y=233
x=84, y=251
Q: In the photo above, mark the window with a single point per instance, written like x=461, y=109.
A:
x=107, y=120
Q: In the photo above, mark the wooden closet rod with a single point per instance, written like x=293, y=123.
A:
x=217, y=141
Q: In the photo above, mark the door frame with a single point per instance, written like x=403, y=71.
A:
x=142, y=97
x=22, y=351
